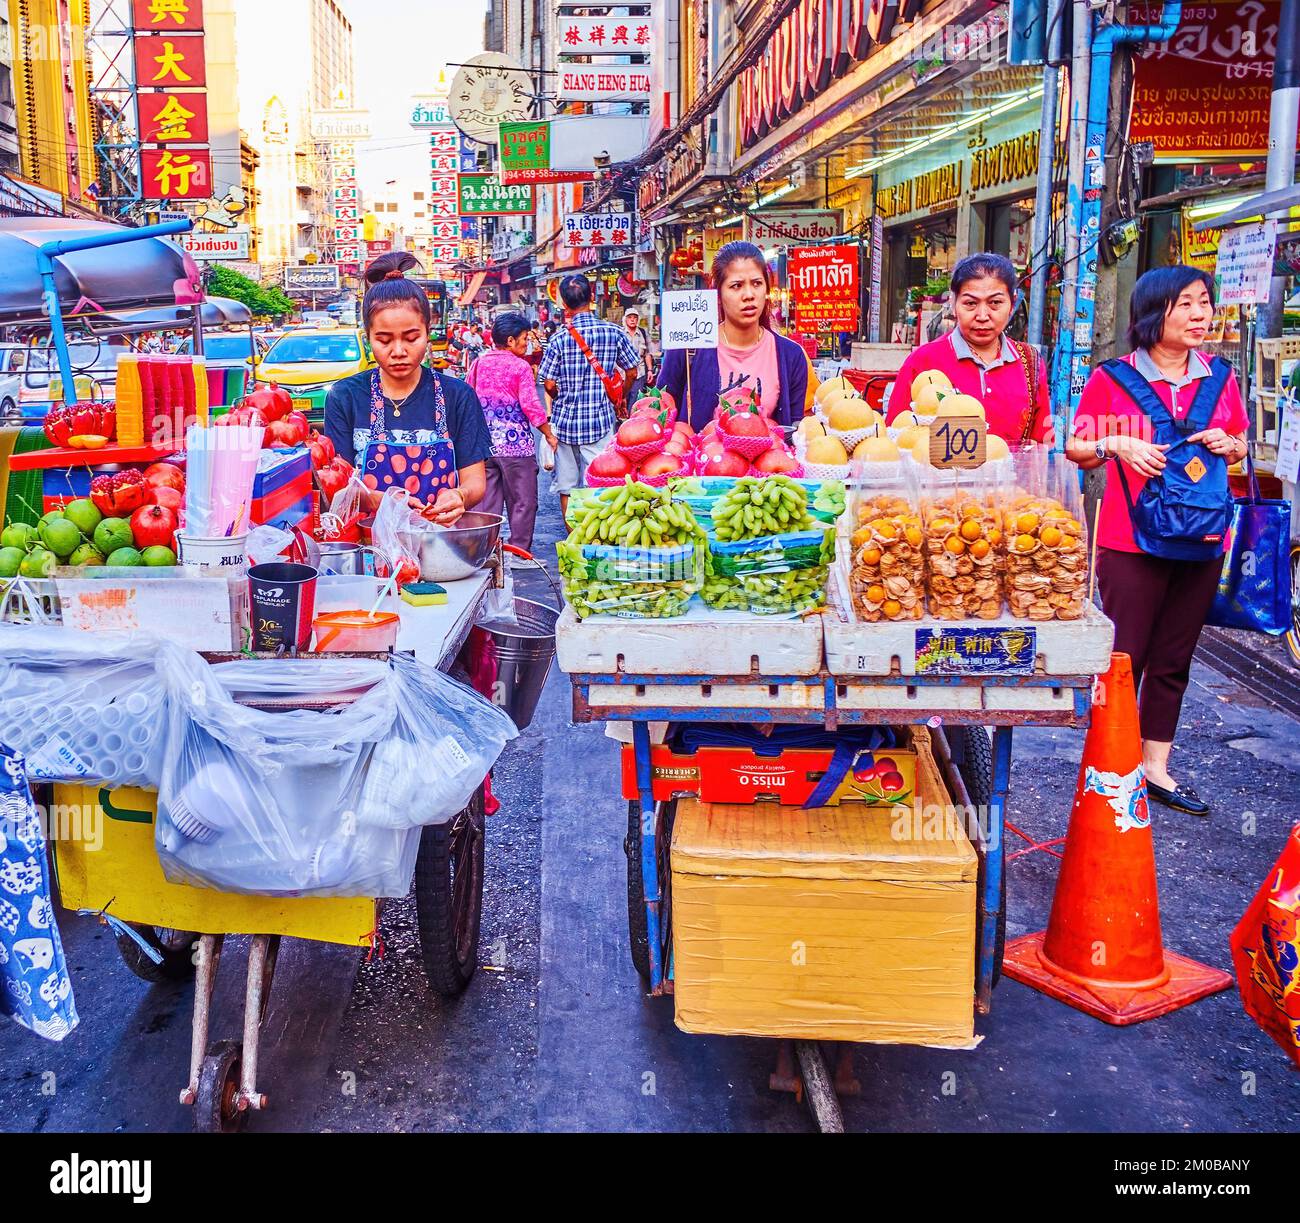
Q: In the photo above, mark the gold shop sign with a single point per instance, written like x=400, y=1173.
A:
x=1005, y=162
x=941, y=185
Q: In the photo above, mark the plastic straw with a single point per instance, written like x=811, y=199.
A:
x=383, y=594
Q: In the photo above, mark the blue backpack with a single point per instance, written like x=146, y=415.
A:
x=1183, y=514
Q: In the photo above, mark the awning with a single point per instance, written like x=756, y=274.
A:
x=475, y=284
x=1269, y=201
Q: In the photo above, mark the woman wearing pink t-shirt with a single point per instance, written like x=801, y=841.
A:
x=1159, y=605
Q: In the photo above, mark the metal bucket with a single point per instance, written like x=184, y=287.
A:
x=522, y=650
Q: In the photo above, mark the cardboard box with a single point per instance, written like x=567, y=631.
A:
x=105, y=859
x=847, y=923
x=739, y=775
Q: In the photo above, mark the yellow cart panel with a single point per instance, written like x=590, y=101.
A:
x=123, y=875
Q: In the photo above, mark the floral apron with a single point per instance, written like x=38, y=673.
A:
x=421, y=461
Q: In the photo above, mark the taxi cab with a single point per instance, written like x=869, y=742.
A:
x=307, y=361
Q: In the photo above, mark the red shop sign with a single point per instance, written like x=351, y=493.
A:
x=173, y=118
x=175, y=174
x=1205, y=94
x=166, y=16
x=164, y=62
x=824, y=286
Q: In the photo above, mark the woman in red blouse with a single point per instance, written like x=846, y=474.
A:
x=1159, y=605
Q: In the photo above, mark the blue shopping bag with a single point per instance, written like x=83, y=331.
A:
x=1255, y=585
x=35, y=989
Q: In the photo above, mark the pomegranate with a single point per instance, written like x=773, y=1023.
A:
x=165, y=495
x=153, y=526
x=165, y=475
x=609, y=465
x=270, y=402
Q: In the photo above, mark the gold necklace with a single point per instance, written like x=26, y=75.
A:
x=398, y=406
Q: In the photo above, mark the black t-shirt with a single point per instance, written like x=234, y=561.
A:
x=347, y=417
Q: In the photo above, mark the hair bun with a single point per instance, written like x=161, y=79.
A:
x=391, y=266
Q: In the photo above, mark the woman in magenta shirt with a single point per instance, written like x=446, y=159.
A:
x=1158, y=605
x=1007, y=377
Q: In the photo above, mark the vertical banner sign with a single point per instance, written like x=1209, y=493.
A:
x=877, y=258
x=349, y=250
x=171, y=81
x=824, y=287
x=445, y=159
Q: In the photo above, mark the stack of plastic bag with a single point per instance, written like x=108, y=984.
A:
x=301, y=802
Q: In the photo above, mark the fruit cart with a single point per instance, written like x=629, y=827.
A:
x=831, y=671
x=171, y=931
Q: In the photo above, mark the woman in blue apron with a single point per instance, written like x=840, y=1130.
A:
x=403, y=425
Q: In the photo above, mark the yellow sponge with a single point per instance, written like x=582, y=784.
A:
x=423, y=594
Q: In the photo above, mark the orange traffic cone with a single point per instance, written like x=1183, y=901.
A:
x=1102, y=949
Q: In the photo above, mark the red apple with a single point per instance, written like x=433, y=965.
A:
x=676, y=446
x=775, y=462
x=744, y=424
x=684, y=429
x=609, y=465
x=165, y=496
x=153, y=526
x=662, y=465
x=726, y=463
x=640, y=431
x=165, y=475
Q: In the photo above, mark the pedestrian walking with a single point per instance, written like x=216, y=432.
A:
x=980, y=359
x=507, y=388
x=750, y=353
x=586, y=372
x=1171, y=421
x=402, y=403
x=641, y=345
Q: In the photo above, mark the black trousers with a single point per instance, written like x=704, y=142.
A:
x=1159, y=608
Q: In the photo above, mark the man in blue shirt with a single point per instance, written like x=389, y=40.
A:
x=582, y=413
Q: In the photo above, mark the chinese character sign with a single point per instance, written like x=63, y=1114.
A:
x=604, y=35
x=166, y=16
x=445, y=157
x=163, y=62
x=582, y=229
x=348, y=246
x=824, y=287
x=175, y=174
x=483, y=195
x=173, y=118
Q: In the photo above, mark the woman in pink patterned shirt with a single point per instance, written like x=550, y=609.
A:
x=507, y=388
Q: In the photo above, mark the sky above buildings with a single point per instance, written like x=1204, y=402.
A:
x=398, y=47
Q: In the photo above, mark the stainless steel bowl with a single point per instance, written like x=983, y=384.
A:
x=448, y=554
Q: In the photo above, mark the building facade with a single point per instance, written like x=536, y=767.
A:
x=278, y=94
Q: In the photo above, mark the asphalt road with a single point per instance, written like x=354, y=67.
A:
x=555, y=1033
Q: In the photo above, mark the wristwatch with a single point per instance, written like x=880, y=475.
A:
x=1099, y=449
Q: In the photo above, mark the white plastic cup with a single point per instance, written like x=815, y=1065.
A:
x=112, y=717
x=136, y=704
x=229, y=552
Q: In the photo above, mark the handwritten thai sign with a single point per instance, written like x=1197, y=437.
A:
x=690, y=319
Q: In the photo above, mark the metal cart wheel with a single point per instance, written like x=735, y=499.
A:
x=449, y=897
x=214, y=1106
x=638, y=938
x=973, y=751
x=175, y=946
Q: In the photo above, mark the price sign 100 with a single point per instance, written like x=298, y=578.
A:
x=958, y=441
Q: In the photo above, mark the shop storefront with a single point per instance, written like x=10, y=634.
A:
x=969, y=190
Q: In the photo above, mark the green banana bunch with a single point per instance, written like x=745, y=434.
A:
x=761, y=505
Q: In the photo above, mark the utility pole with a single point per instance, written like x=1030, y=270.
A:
x=1283, y=120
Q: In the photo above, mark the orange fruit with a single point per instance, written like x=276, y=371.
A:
x=1024, y=543
x=875, y=594
x=980, y=549
x=1050, y=536
x=1026, y=523
x=955, y=544
x=892, y=607
x=970, y=529
x=886, y=528
x=971, y=510
x=871, y=556
x=913, y=536
x=861, y=536
x=1067, y=543
x=940, y=523
x=995, y=537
